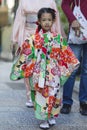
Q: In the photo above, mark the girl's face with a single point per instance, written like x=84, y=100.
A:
x=46, y=21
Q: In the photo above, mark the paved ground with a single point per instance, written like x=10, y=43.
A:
x=14, y=115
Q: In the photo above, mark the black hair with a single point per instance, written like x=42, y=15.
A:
x=46, y=10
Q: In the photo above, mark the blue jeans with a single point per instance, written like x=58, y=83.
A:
x=79, y=50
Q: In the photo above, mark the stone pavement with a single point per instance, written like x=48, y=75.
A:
x=14, y=115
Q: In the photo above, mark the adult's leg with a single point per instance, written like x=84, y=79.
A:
x=26, y=81
x=28, y=93
x=83, y=81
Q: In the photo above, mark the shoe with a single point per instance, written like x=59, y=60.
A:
x=51, y=121
x=44, y=125
x=83, y=109
x=66, y=109
x=29, y=103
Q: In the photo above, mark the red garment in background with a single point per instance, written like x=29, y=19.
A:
x=66, y=6
x=0, y=2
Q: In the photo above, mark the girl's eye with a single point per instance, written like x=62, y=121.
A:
x=43, y=20
x=49, y=19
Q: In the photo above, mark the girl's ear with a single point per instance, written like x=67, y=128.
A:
x=54, y=20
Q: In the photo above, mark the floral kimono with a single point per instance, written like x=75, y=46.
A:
x=48, y=61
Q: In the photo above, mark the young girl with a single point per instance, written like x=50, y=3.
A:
x=43, y=57
x=24, y=25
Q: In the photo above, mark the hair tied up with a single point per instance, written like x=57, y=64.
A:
x=36, y=23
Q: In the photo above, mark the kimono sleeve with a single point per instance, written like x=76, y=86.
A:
x=24, y=63
x=67, y=61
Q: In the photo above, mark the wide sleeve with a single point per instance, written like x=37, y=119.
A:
x=18, y=26
x=66, y=6
x=24, y=63
x=67, y=61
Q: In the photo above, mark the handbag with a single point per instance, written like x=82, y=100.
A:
x=83, y=30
